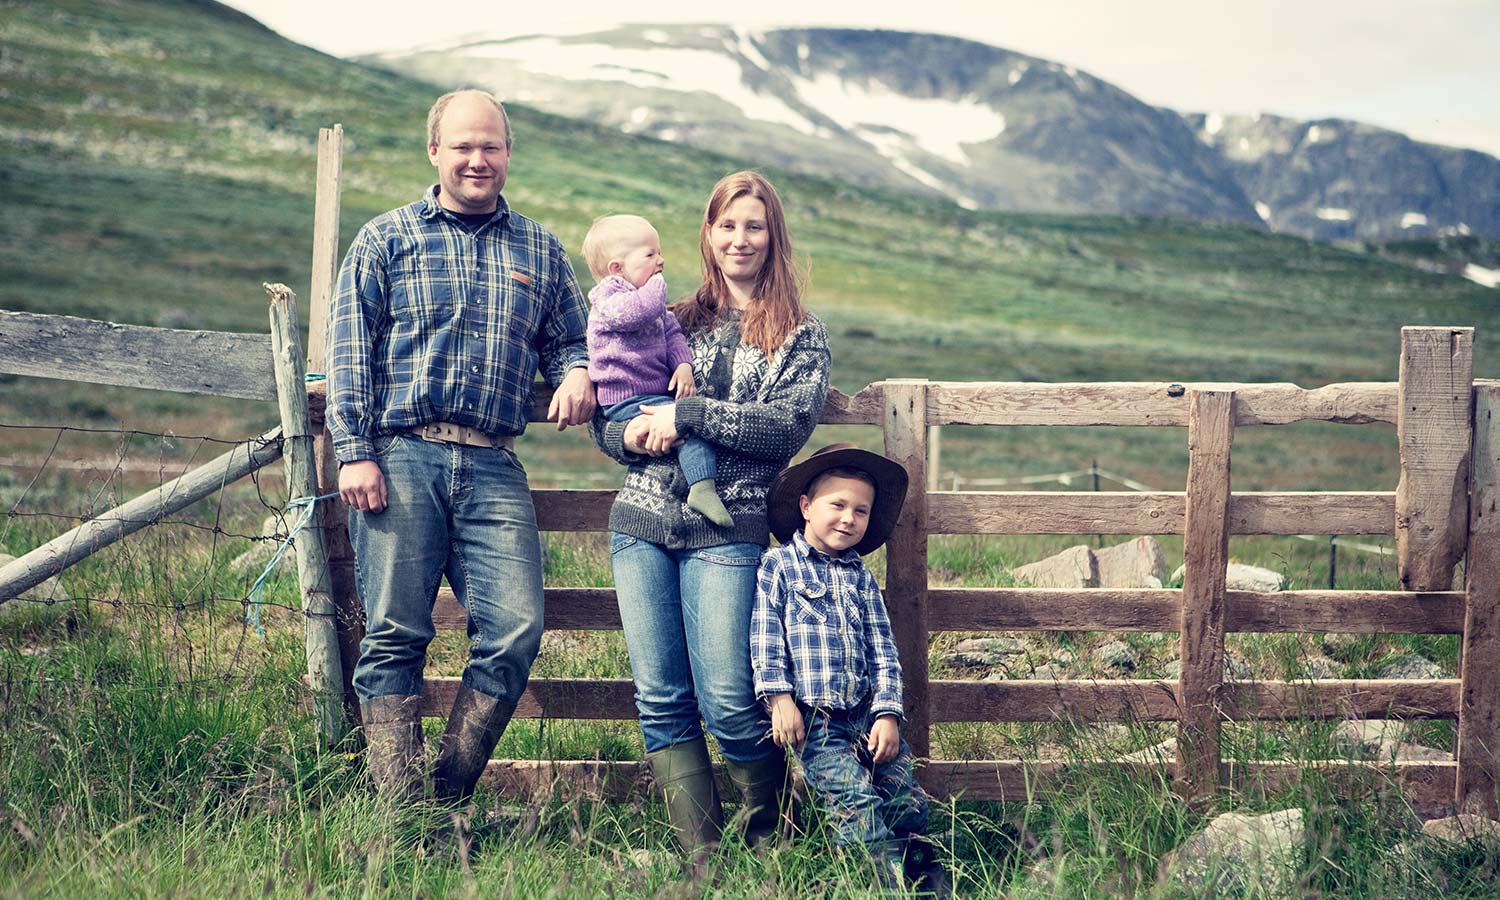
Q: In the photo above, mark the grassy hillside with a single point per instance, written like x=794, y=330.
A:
x=158, y=165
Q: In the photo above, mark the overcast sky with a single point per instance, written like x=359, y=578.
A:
x=1430, y=68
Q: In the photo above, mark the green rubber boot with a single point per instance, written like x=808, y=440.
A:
x=686, y=779
x=762, y=785
x=393, y=745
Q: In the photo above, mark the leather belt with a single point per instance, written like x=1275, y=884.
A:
x=449, y=433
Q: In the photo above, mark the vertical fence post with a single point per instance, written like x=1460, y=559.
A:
x=1206, y=557
x=333, y=515
x=906, y=551
x=1433, y=433
x=324, y=668
x=1478, y=742
x=934, y=456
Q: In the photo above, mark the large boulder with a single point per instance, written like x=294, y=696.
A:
x=1075, y=567
x=1410, y=666
x=1464, y=827
x=1240, y=577
x=1236, y=850
x=981, y=653
x=1381, y=739
x=1133, y=564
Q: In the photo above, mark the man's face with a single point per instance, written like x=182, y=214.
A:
x=470, y=155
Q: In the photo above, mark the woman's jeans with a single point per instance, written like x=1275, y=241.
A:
x=696, y=456
x=686, y=616
x=866, y=803
x=459, y=511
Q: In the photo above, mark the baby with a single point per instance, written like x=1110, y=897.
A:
x=637, y=354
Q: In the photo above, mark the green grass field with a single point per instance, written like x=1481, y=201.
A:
x=158, y=166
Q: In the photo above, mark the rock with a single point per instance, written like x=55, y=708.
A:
x=1236, y=668
x=1133, y=564
x=1116, y=655
x=1345, y=647
x=1237, y=850
x=1464, y=827
x=1049, y=672
x=1172, y=669
x=1317, y=667
x=1410, y=665
x=1240, y=577
x=1075, y=567
x=1380, y=739
x=998, y=648
x=1162, y=753
x=49, y=595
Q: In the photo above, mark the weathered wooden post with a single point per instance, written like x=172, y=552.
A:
x=906, y=552
x=1433, y=432
x=1206, y=557
x=1478, y=742
x=324, y=669
x=333, y=515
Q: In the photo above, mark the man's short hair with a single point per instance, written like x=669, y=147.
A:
x=839, y=472
x=435, y=114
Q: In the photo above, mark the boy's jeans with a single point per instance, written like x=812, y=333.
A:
x=686, y=617
x=866, y=803
x=459, y=511
x=696, y=456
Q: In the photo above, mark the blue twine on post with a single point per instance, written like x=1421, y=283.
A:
x=314, y=376
x=252, y=613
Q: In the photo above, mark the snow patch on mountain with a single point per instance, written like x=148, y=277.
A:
x=1413, y=220
x=1262, y=210
x=1334, y=214
x=940, y=127
x=1490, y=278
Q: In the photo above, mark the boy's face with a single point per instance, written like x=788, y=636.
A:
x=837, y=513
x=638, y=256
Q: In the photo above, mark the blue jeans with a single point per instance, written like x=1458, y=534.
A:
x=459, y=511
x=696, y=456
x=686, y=617
x=866, y=803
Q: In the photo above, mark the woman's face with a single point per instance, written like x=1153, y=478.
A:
x=739, y=239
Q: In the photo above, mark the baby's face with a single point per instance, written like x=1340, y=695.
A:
x=638, y=256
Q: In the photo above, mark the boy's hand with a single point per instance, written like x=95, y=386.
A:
x=786, y=722
x=682, y=384
x=885, y=739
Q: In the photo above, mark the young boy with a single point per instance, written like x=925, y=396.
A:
x=825, y=662
x=637, y=353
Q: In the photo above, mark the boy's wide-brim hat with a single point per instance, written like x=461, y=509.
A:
x=791, y=484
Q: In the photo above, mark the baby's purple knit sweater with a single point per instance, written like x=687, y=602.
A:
x=634, y=342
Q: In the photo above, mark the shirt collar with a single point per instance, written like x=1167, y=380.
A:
x=432, y=209
x=848, y=557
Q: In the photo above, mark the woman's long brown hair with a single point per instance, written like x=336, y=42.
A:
x=777, y=310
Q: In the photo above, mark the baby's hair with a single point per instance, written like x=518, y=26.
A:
x=603, y=240
x=811, y=490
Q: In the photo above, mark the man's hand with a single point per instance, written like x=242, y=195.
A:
x=362, y=485
x=661, y=428
x=786, y=722
x=885, y=739
x=573, y=401
x=682, y=384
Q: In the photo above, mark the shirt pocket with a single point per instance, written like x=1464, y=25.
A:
x=520, y=298
x=421, y=284
x=806, y=603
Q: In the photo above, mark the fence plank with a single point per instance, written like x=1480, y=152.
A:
x=1206, y=555
x=549, y=698
x=216, y=363
x=905, y=425
x=325, y=676
x=325, y=242
x=94, y=535
x=1152, y=403
x=560, y=510
x=1145, y=609
x=568, y=609
x=1125, y=512
x=1478, y=742
x=1433, y=431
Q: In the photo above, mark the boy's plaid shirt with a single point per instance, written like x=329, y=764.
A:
x=432, y=322
x=820, y=631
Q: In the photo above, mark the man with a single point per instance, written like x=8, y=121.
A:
x=445, y=311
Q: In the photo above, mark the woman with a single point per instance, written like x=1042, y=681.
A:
x=685, y=585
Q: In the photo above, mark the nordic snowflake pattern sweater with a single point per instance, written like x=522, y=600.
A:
x=757, y=413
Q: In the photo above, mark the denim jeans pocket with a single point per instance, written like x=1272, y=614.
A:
x=385, y=443
x=618, y=542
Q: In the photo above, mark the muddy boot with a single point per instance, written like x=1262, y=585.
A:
x=762, y=785
x=890, y=875
x=685, y=777
x=474, y=727
x=393, y=745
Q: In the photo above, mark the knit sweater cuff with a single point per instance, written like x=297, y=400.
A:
x=689, y=415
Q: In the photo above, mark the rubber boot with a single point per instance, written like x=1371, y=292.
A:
x=890, y=874
x=686, y=779
x=474, y=727
x=925, y=870
x=762, y=785
x=393, y=745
